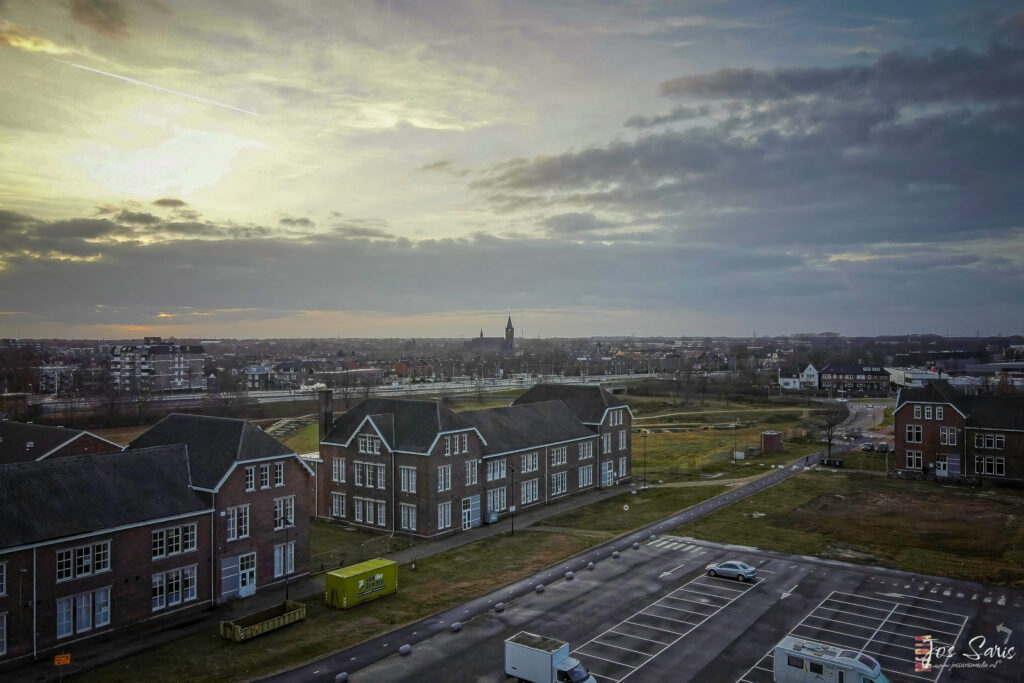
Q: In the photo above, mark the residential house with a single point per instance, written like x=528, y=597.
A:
x=854, y=379
x=809, y=377
x=943, y=433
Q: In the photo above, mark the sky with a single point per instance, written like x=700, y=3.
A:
x=322, y=168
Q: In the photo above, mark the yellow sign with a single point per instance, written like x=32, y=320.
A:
x=62, y=660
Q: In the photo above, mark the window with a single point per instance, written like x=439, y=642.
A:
x=927, y=412
x=586, y=475
x=938, y=412
x=65, y=565
x=615, y=417
x=586, y=450
x=622, y=440
x=337, y=504
x=914, y=460
x=622, y=467
x=444, y=478
x=444, y=515
x=238, y=522
x=465, y=443
x=993, y=441
x=559, y=456
x=447, y=445
x=278, y=474
x=947, y=436
x=3, y=633
x=606, y=442
x=370, y=475
x=3, y=578
x=529, y=492
x=284, y=559
x=941, y=463
x=188, y=538
x=370, y=511
x=990, y=464
x=559, y=483
x=917, y=412
x=174, y=541
x=338, y=470
x=472, y=472
x=83, y=561
x=408, y=479
x=250, y=478
x=496, y=499
x=496, y=469
x=83, y=612
x=284, y=512
x=100, y=558
x=795, y=662
x=357, y=469
x=264, y=476
x=530, y=463
x=914, y=434
x=408, y=516
x=816, y=668
x=369, y=444
x=381, y=476
x=173, y=587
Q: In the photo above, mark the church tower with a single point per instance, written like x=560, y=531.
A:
x=510, y=335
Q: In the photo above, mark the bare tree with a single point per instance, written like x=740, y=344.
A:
x=830, y=425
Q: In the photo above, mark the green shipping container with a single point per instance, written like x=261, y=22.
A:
x=350, y=586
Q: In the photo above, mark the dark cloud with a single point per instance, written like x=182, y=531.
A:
x=443, y=165
x=357, y=232
x=677, y=114
x=137, y=218
x=169, y=202
x=297, y=222
x=105, y=16
x=574, y=223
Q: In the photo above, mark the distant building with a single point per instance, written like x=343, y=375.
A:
x=503, y=345
x=157, y=367
x=943, y=433
x=854, y=379
x=22, y=442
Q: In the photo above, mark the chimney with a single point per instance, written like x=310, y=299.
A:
x=326, y=413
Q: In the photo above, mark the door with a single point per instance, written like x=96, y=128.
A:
x=941, y=470
x=470, y=512
x=607, y=473
x=246, y=575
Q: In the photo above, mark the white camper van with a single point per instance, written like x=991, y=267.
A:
x=801, y=661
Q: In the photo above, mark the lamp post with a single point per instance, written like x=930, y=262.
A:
x=643, y=436
x=513, y=506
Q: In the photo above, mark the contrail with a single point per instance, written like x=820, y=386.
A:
x=160, y=88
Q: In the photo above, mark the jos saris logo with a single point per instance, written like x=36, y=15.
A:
x=980, y=652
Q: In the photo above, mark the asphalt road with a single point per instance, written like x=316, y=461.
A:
x=603, y=601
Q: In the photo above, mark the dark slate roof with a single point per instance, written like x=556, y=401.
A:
x=519, y=427
x=214, y=443
x=988, y=412
x=587, y=401
x=15, y=437
x=413, y=424
x=63, y=497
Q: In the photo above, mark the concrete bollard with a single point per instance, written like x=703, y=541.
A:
x=341, y=678
x=539, y=588
x=654, y=537
x=615, y=555
x=404, y=650
x=568, y=576
x=500, y=607
x=636, y=546
x=456, y=626
x=590, y=565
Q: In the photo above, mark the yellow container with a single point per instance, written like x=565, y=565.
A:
x=351, y=586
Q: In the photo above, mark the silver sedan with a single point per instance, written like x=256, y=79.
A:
x=733, y=569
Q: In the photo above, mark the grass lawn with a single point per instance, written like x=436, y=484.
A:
x=607, y=519
x=924, y=527
x=331, y=544
x=304, y=440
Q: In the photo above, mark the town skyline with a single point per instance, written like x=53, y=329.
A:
x=405, y=170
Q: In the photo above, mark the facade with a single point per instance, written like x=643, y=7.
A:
x=157, y=367
x=789, y=380
x=93, y=568
x=260, y=499
x=809, y=377
x=945, y=434
x=854, y=379
x=416, y=467
x=22, y=442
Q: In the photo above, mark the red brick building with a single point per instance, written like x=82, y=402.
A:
x=417, y=467
x=942, y=433
x=854, y=379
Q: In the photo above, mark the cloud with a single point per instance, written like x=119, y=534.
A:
x=677, y=114
x=29, y=40
x=105, y=16
x=297, y=222
x=168, y=202
x=139, y=218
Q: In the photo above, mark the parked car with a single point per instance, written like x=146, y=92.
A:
x=732, y=569
x=867, y=447
x=882, y=447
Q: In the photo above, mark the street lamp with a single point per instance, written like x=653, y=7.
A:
x=512, y=509
x=643, y=435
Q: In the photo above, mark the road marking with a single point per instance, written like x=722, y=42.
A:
x=786, y=594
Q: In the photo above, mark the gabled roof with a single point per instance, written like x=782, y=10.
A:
x=214, y=444
x=986, y=412
x=853, y=369
x=586, y=401
x=15, y=438
x=932, y=392
x=407, y=425
x=63, y=497
x=519, y=427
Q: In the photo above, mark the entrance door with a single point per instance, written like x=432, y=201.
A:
x=607, y=473
x=470, y=512
x=246, y=575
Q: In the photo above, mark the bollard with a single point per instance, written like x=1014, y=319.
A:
x=590, y=565
x=341, y=678
x=404, y=650
x=615, y=554
x=569, y=575
x=456, y=626
x=500, y=607
x=539, y=588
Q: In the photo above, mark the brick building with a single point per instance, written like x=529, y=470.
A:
x=943, y=433
x=22, y=442
x=854, y=379
x=157, y=367
x=417, y=467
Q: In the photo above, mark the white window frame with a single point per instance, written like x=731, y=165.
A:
x=622, y=440
x=338, y=470
x=927, y=412
x=529, y=462
x=622, y=466
x=3, y=633
x=914, y=460
x=265, y=476
x=407, y=516
x=250, y=478
x=559, y=456
x=447, y=446
x=444, y=478
x=3, y=579
x=382, y=476
x=472, y=472
x=337, y=504
x=238, y=522
x=938, y=412
x=559, y=483
x=278, y=474
x=529, y=492
x=65, y=564
x=586, y=476
x=917, y=412
x=284, y=559
x=444, y=515
x=284, y=512
x=606, y=442
x=496, y=469
x=465, y=443
x=586, y=450
x=914, y=433
x=497, y=500
x=407, y=479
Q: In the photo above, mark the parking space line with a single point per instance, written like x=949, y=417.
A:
x=643, y=654
x=725, y=588
x=678, y=609
x=607, y=678
x=611, y=661
x=941, y=621
x=706, y=595
x=675, y=633
x=630, y=635
x=850, y=635
x=850, y=623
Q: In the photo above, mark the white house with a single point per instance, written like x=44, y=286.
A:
x=809, y=377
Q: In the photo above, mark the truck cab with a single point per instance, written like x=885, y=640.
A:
x=539, y=659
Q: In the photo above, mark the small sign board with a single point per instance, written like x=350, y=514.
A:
x=62, y=660
x=511, y=508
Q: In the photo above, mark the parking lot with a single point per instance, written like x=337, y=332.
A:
x=621, y=650
x=886, y=629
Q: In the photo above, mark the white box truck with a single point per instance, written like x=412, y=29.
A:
x=538, y=659
x=801, y=661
